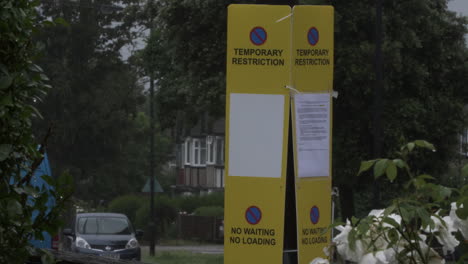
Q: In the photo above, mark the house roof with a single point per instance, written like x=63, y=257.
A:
x=209, y=127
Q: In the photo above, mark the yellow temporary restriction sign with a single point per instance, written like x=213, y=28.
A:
x=257, y=119
x=269, y=50
x=312, y=76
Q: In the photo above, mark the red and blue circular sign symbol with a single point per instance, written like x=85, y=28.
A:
x=313, y=36
x=258, y=36
x=253, y=215
x=314, y=215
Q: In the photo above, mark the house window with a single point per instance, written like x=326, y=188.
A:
x=188, y=151
x=211, y=146
x=199, y=152
x=219, y=150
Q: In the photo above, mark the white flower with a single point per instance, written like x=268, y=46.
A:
x=319, y=261
x=377, y=212
x=444, y=236
x=326, y=251
x=342, y=245
x=459, y=224
x=371, y=258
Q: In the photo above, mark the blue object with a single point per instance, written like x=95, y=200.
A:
x=38, y=181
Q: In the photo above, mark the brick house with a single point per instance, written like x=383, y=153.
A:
x=200, y=158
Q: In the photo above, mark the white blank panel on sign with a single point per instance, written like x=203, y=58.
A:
x=256, y=135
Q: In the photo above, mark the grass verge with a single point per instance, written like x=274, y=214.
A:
x=182, y=257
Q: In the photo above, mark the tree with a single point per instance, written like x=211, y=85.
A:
x=425, y=71
x=98, y=111
x=186, y=53
x=22, y=83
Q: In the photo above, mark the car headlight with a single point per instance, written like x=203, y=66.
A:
x=81, y=243
x=132, y=243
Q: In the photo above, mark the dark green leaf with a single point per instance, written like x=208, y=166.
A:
x=425, y=217
x=464, y=171
x=364, y=225
x=410, y=146
x=365, y=165
x=391, y=221
x=389, y=210
x=462, y=211
x=35, y=68
x=380, y=167
x=19, y=190
x=425, y=177
x=393, y=236
x=352, y=239
x=399, y=163
x=14, y=208
x=5, y=82
x=424, y=144
x=48, y=23
x=3, y=69
x=5, y=150
x=406, y=215
x=391, y=171
x=50, y=181
x=31, y=191
x=444, y=192
x=61, y=21
x=6, y=100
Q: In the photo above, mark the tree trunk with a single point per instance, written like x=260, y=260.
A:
x=346, y=202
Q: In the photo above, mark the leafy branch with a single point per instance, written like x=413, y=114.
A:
x=406, y=231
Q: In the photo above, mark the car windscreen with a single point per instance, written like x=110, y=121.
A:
x=104, y=225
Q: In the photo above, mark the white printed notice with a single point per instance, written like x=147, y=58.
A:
x=312, y=114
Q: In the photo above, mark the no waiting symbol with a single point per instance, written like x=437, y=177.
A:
x=258, y=36
x=253, y=215
x=313, y=36
x=314, y=215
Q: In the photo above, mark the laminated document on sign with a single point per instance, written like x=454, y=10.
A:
x=312, y=118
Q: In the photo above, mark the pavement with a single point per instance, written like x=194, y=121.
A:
x=203, y=249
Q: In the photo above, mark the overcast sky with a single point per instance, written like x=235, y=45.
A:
x=459, y=6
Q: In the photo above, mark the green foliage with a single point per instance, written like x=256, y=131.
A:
x=98, y=107
x=424, y=80
x=414, y=220
x=22, y=83
x=137, y=208
x=188, y=204
x=175, y=257
x=186, y=53
x=127, y=204
x=165, y=214
x=424, y=87
x=216, y=211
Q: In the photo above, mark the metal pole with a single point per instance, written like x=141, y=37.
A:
x=290, y=227
x=152, y=163
x=378, y=100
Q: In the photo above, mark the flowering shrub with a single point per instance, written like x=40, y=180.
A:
x=422, y=227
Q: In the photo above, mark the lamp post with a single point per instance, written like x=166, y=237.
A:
x=378, y=97
x=152, y=163
x=152, y=223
